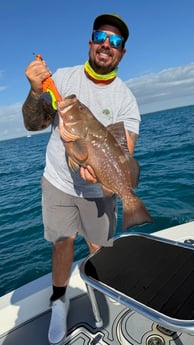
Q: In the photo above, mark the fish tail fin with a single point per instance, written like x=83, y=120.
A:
x=134, y=214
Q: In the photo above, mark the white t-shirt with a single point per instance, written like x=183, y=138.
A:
x=109, y=103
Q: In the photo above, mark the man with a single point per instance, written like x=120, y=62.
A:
x=71, y=200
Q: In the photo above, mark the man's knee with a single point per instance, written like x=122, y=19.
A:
x=93, y=247
x=64, y=242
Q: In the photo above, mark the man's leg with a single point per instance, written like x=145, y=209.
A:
x=93, y=247
x=61, y=222
x=62, y=258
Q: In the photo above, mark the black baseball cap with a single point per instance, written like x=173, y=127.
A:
x=112, y=19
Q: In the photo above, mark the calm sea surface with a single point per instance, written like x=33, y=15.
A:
x=165, y=151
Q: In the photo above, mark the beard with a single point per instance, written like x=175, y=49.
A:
x=100, y=65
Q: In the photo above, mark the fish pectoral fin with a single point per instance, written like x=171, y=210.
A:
x=118, y=132
x=80, y=150
x=77, y=154
x=72, y=164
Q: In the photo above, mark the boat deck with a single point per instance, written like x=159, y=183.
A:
x=25, y=314
x=121, y=326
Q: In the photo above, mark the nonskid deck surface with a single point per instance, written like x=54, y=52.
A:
x=121, y=326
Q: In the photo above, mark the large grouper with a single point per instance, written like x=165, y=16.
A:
x=88, y=142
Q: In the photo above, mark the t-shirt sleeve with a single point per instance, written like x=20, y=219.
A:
x=129, y=112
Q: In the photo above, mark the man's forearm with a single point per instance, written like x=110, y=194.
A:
x=131, y=141
x=38, y=113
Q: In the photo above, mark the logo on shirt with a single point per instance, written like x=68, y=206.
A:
x=106, y=112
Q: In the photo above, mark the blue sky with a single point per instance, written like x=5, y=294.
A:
x=158, y=65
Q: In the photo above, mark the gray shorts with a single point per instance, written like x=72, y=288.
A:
x=65, y=215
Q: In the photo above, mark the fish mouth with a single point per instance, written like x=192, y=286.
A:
x=64, y=126
x=63, y=109
x=66, y=104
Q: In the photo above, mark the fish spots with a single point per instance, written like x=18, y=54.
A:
x=96, y=144
x=122, y=159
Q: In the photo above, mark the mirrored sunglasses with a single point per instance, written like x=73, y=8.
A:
x=99, y=37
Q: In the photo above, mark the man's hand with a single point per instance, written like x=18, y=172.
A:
x=36, y=72
x=88, y=174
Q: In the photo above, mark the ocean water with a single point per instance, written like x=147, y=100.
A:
x=165, y=151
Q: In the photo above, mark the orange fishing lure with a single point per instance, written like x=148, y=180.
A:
x=48, y=85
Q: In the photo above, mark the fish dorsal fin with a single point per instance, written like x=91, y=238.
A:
x=118, y=132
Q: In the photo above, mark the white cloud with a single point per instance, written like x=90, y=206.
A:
x=169, y=88
x=9, y=113
x=2, y=88
x=11, y=121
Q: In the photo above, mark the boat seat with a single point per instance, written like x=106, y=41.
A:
x=150, y=275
